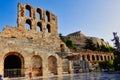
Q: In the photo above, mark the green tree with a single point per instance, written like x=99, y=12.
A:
x=106, y=64
x=90, y=45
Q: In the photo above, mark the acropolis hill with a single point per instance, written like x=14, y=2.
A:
x=36, y=48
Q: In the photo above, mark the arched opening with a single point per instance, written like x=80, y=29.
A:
x=28, y=11
x=83, y=57
x=47, y=17
x=105, y=58
x=93, y=57
x=88, y=57
x=13, y=66
x=101, y=57
x=36, y=62
x=28, y=24
x=52, y=65
x=97, y=57
x=48, y=29
x=39, y=26
x=62, y=47
x=39, y=14
x=108, y=58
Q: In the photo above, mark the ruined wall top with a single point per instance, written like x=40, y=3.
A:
x=30, y=18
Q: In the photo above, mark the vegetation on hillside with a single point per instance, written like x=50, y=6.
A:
x=96, y=47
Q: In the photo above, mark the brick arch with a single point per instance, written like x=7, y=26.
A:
x=39, y=13
x=36, y=63
x=52, y=64
x=28, y=8
x=39, y=26
x=47, y=17
x=13, y=62
x=48, y=28
x=29, y=22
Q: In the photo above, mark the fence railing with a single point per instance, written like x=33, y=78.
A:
x=13, y=72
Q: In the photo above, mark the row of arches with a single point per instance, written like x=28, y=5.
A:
x=39, y=26
x=14, y=65
x=96, y=57
x=39, y=13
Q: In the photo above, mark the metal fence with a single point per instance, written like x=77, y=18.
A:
x=13, y=73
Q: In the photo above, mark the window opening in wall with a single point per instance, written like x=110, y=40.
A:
x=83, y=57
x=105, y=58
x=93, y=57
x=38, y=14
x=88, y=57
x=48, y=28
x=39, y=26
x=62, y=47
x=97, y=57
x=101, y=58
x=28, y=25
x=28, y=11
x=47, y=17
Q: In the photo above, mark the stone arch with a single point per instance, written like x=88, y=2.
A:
x=36, y=63
x=62, y=47
x=48, y=28
x=108, y=57
x=101, y=57
x=39, y=26
x=88, y=57
x=93, y=57
x=28, y=10
x=39, y=14
x=52, y=65
x=105, y=58
x=97, y=57
x=83, y=57
x=28, y=24
x=13, y=65
x=47, y=17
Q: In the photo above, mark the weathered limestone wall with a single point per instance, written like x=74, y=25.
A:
x=26, y=49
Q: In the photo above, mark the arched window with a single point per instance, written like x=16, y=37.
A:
x=105, y=58
x=28, y=11
x=108, y=58
x=39, y=14
x=97, y=57
x=47, y=17
x=48, y=29
x=28, y=24
x=39, y=26
x=93, y=57
x=101, y=57
x=83, y=57
x=88, y=57
x=62, y=47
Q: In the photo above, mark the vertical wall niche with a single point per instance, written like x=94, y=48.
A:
x=93, y=57
x=48, y=28
x=28, y=11
x=39, y=26
x=47, y=17
x=28, y=24
x=39, y=14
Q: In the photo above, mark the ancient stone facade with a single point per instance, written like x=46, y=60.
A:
x=33, y=46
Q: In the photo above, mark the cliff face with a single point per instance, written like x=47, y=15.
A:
x=79, y=39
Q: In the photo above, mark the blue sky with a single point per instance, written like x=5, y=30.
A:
x=98, y=18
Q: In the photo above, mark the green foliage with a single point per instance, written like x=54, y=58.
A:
x=117, y=63
x=90, y=45
x=106, y=64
